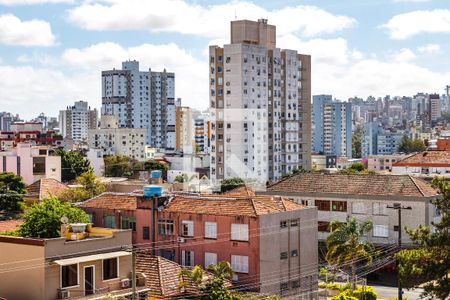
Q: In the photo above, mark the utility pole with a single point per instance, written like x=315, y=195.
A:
x=399, y=208
x=133, y=273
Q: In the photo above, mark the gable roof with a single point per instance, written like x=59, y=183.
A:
x=110, y=200
x=360, y=184
x=426, y=159
x=45, y=187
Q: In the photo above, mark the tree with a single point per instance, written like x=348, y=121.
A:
x=153, y=164
x=211, y=284
x=345, y=246
x=231, y=183
x=73, y=164
x=43, y=220
x=356, y=142
x=180, y=178
x=408, y=145
x=119, y=166
x=91, y=186
x=429, y=264
x=12, y=189
x=355, y=168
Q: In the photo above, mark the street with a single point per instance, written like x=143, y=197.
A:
x=387, y=292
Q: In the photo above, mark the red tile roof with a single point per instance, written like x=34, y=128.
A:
x=9, y=225
x=108, y=200
x=45, y=187
x=364, y=184
x=426, y=159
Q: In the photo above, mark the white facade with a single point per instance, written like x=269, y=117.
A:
x=76, y=120
x=113, y=140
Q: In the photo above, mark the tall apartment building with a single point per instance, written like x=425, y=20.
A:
x=142, y=99
x=435, y=107
x=184, y=129
x=260, y=99
x=6, y=119
x=202, y=132
x=331, y=126
x=76, y=120
x=379, y=141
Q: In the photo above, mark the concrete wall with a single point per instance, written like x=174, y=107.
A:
x=298, y=272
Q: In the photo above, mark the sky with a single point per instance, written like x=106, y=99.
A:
x=52, y=52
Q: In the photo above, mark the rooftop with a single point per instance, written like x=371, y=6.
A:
x=9, y=225
x=362, y=184
x=426, y=158
x=110, y=200
x=45, y=187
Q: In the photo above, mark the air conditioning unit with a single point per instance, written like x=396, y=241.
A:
x=63, y=294
x=181, y=239
x=125, y=283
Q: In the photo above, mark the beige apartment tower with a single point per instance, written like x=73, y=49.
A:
x=260, y=99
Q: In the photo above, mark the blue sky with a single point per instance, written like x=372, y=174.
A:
x=52, y=51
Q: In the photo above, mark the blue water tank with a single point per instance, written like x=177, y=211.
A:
x=152, y=191
x=156, y=174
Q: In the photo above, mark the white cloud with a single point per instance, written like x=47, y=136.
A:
x=406, y=25
x=14, y=31
x=429, y=49
x=403, y=55
x=211, y=21
x=31, y=2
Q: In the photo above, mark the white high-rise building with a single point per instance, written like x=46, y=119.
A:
x=261, y=106
x=142, y=99
x=76, y=120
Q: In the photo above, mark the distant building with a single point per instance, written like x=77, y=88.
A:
x=76, y=120
x=184, y=129
x=321, y=162
x=331, y=126
x=435, y=107
x=383, y=163
x=379, y=141
x=202, y=133
x=31, y=132
x=6, y=119
x=31, y=162
x=142, y=99
x=427, y=163
x=113, y=140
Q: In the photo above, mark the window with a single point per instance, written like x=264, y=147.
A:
x=210, y=259
x=38, y=165
x=91, y=217
x=128, y=223
x=110, y=221
x=284, y=286
x=379, y=208
x=294, y=223
x=110, y=268
x=380, y=231
x=239, y=232
x=283, y=255
x=295, y=283
x=187, y=258
x=294, y=253
x=165, y=227
x=323, y=226
x=69, y=276
x=359, y=208
x=339, y=206
x=187, y=228
x=283, y=224
x=210, y=230
x=239, y=263
x=146, y=233
x=323, y=205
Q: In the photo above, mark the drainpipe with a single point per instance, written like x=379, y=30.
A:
x=153, y=227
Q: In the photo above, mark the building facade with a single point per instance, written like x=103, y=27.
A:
x=260, y=99
x=142, y=99
x=426, y=164
x=331, y=126
x=202, y=133
x=379, y=141
x=76, y=120
x=31, y=132
x=113, y=140
x=383, y=163
x=184, y=129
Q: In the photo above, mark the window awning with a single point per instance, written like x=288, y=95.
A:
x=80, y=259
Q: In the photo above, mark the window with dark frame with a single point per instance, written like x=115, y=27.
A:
x=283, y=224
x=69, y=276
x=146, y=233
x=165, y=227
x=323, y=226
x=110, y=268
x=323, y=205
x=283, y=255
x=339, y=206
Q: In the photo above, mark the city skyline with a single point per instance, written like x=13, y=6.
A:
x=58, y=48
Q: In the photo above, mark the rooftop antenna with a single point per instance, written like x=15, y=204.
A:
x=235, y=14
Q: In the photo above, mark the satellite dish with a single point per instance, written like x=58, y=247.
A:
x=64, y=219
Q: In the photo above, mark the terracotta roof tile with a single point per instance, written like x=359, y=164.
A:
x=367, y=184
x=108, y=200
x=426, y=158
x=45, y=187
x=9, y=225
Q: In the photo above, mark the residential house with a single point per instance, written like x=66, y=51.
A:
x=365, y=197
x=383, y=163
x=44, y=188
x=427, y=163
x=84, y=263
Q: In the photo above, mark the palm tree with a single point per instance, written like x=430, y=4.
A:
x=345, y=245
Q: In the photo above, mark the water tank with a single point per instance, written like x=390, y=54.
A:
x=152, y=191
x=156, y=174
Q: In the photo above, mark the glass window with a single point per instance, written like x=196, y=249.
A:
x=187, y=258
x=69, y=276
x=146, y=233
x=239, y=232
x=38, y=165
x=323, y=205
x=283, y=224
x=339, y=206
x=294, y=253
x=239, y=263
x=110, y=221
x=379, y=208
x=323, y=226
x=128, y=223
x=110, y=267
x=380, y=231
x=283, y=255
x=359, y=208
x=187, y=228
x=294, y=223
x=210, y=259
x=165, y=227
x=211, y=230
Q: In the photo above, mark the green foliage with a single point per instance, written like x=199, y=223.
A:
x=210, y=284
x=345, y=245
x=119, y=166
x=12, y=189
x=355, y=168
x=356, y=142
x=360, y=293
x=429, y=263
x=91, y=187
x=334, y=286
x=341, y=296
x=42, y=220
x=152, y=165
x=231, y=183
x=408, y=145
x=73, y=164
x=180, y=178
